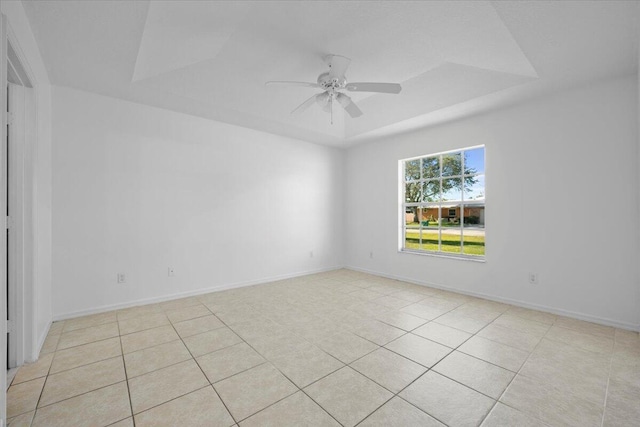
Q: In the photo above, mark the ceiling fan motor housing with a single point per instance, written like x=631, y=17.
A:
x=327, y=82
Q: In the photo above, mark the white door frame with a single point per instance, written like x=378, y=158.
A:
x=3, y=236
x=22, y=139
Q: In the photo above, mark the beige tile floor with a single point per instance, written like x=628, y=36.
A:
x=337, y=348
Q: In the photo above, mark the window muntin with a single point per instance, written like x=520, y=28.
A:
x=444, y=203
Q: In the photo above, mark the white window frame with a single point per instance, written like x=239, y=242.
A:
x=462, y=204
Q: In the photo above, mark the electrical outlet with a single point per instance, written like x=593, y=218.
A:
x=171, y=272
x=122, y=278
x=310, y=254
x=533, y=278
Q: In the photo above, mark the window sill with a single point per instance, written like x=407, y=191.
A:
x=442, y=255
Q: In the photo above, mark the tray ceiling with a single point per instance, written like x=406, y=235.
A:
x=211, y=59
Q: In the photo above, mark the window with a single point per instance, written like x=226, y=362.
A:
x=444, y=202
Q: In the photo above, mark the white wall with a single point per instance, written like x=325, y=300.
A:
x=138, y=189
x=26, y=45
x=562, y=196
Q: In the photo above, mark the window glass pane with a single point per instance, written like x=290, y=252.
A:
x=431, y=190
x=430, y=238
x=412, y=238
x=413, y=192
x=452, y=189
x=473, y=230
x=412, y=170
x=450, y=239
x=412, y=217
x=431, y=167
x=474, y=161
x=430, y=217
x=474, y=187
x=452, y=164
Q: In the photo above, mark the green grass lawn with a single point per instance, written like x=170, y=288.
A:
x=473, y=245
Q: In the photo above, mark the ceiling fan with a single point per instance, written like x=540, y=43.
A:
x=332, y=83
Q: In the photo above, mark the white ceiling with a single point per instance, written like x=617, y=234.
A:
x=212, y=58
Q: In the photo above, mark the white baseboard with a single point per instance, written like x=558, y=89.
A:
x=519, y=303
x=200, y=291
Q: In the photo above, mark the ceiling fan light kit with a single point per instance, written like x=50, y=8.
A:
x=332, y=83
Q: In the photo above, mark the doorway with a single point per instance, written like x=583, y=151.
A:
x=18, y=177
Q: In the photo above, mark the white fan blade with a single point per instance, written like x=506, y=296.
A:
x=349, y=106
x=299, y=84
x=338, y=66
x=374, y=87
x=305, y=105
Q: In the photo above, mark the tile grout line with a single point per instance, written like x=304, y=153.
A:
x=126, y=376
x=282, y=373
x=200, y=367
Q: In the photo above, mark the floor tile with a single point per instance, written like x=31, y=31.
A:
x=211, y=341
x=423, y=311
x=569, y=368
x=138, y=311
x=585, y=327
x=399, y=319
x=448, y=401
x=293, y=411
x=623, y=404
x=253, y=390
x=23, y=420
x=198, y=325
x=378, y=332
x=200, y=408
x=348, y=396
x=418, y=349
x=165, y=384
x=97, y=408
x=516, y=339
x=85, y=354
x=521, y=324
x=50, y=344
x=23, y=397
x=398, y=413
x=148, y=338
x=388, y=369
x=31, y=371
x=475, y=373
x=550, y=405
x=494, y=352
x=480, y=313
x=56, y=327
x=87, y=335
x=153, y=358
x=392, y=302
x=182, y=314
x=462, y=323
x=306, y=365
x=80, y=380
x=346, y=346
x=595, y=343
x=127, y=422
x=87, y=321
x=505, y=416
x=274, y=346
x=442, y=334
x=538, y=316
x=229, y=361
x=142, y=323
x=179, y=303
